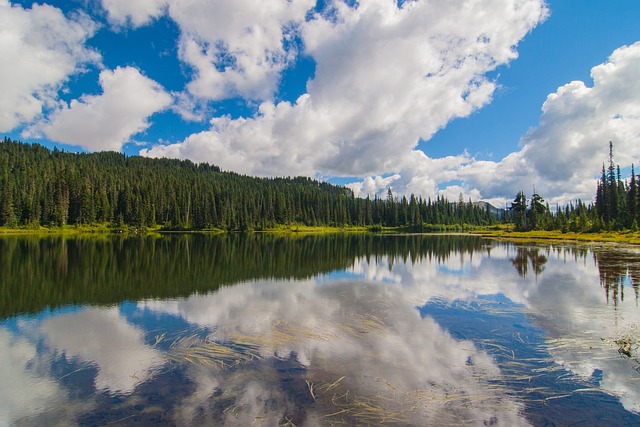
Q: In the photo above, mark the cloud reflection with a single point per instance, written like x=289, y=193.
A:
x=349, y=347
x=368, y=336
x=28, y=396
x=563, y=299
x=582, y=330
x=104, y=338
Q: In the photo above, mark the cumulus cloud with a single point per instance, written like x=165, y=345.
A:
x=569, y=144
x=578, y=121
x=387, y=74
x=135, y=13
x=237, y=47
x=385, y=77
x=40, y=48
x=234, y=47
x=107, y=121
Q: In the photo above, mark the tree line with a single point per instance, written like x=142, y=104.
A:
x=616, y=207
x=39, y=186
x=617, y=201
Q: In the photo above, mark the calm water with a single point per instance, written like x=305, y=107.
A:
x=316, y=331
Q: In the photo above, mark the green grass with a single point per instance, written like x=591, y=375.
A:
x=507, y=233
x=502, y=231
x=98, y=229
x=308, y=229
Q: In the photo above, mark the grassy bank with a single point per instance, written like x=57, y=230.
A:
x=504, y=232
x=104, y=229
x=507, y=233
x=307, y=229
x=71, y=230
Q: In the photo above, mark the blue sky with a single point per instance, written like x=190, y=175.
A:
x=577, y=36
x=483, y=98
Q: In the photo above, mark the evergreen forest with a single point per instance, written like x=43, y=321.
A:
x=55, y=188
x=43, y=187
x=616, y=207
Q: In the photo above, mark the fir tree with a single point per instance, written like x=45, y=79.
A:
x=519, y=209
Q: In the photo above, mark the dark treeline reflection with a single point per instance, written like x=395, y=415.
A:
x=529, y=256
x=40, y=273
x=615, y=266
x=615, y=269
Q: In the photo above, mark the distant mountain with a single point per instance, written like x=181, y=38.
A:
x=496, y=212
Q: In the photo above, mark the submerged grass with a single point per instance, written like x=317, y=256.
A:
x=240, y=348
x=389, y=404
x=198, y=350
x=346, y=400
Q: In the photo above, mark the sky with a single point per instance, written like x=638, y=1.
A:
x=482, y=98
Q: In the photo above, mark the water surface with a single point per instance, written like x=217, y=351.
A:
x=315, y=331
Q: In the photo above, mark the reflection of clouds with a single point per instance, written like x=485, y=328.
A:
x=582, y=328
x=24, y=392
x=104, y=338
x=459, y=278
x=565, y=300
x=378, y=270
x=368, y=333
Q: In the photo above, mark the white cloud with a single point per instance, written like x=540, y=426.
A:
x=562, y=156
x=385, y=77
x=570, y=144
x=372, y=186
x=136, y=13
x=578, y=121
x=40, y=48
x=235, y=47
x=107, y=121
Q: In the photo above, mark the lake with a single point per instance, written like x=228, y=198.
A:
x=266, y=330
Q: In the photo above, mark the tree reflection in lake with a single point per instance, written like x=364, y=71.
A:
x=617, y=269
x=314, y=330
x=36, y=273
x=529, y=255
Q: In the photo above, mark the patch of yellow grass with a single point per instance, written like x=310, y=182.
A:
x=628, y=237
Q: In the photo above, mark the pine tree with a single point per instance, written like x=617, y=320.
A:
x=519, y=209
x=536, y=211
x=601, y=197
x=632, y=201
x=7, y=212
x=611, y=190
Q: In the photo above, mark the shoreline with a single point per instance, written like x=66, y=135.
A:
x=500, y=233
x=620, y=237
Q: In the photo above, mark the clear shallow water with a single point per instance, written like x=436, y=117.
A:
x=316, y=331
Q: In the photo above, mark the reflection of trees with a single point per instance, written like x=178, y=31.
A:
x=525, y=256
x=617, y=268
x=36, y=273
